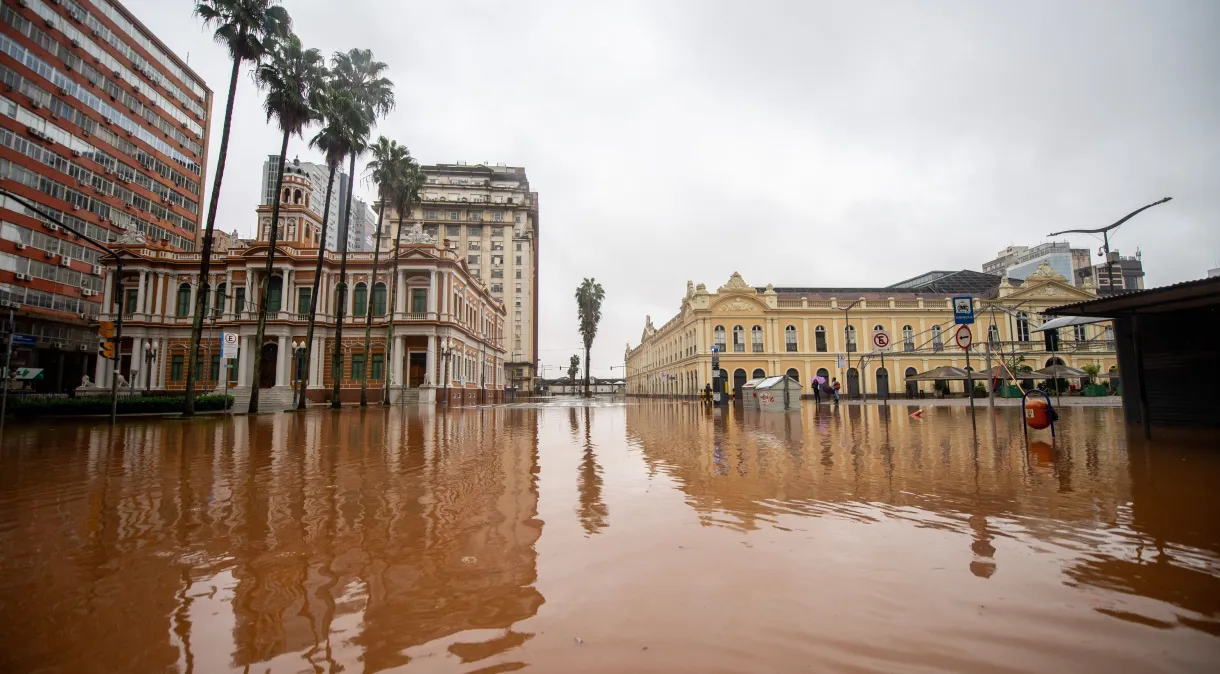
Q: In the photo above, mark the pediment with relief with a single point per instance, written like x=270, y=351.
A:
x=738, y=305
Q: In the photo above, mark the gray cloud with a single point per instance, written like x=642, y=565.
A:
x=799, y=143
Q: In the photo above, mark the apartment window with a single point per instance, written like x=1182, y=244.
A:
x=497, y=232
x=473, y=260
x=517, y=217
x=790, y=339
x=518, y=259
x=175, y=367
x=474, y=232
x=498, y=216
x=474, y=245
x=379, y=297
x=739, y=339
x=275, y=293
x=184, y=300
x=358, y=366
x=518, y=316
x=455, y=215
x=518, y=274
x=938, y=343
x=453, y=230
x=497, y=245
x=431, y=215
x=497, y=259
x=497, y=288
x=819, y=339
x=303, y=297
x=360, y=300
x=849, y=334
x=475, y=216
x=908, y=338
x=497, y=273
x=378, y=366
x=432, y=230
x=518, y=246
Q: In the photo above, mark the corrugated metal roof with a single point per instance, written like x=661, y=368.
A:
x=1184, y=295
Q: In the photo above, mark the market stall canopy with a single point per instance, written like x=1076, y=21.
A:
x=947, y=373
x=1058, y=371
x=1065, y=321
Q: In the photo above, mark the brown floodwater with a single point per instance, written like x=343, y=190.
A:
x=637, y=537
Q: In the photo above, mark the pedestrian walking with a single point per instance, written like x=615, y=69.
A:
x=817, y=391
x=834, y=385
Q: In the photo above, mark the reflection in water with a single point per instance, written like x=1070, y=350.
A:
x=855, y=537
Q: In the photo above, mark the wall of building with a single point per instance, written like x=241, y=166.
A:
x=106, y=130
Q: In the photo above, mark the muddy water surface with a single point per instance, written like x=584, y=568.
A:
x=650, y=537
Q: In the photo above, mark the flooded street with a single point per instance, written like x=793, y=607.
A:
x=643, y=536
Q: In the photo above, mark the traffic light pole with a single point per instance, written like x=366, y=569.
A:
x=118, y=284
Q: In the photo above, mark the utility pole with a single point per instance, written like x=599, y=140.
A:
x=1105, y=237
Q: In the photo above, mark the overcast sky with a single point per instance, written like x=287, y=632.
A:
x=800, y=143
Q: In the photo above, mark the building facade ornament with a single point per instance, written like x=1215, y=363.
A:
x=735, y=283
x=416, y=235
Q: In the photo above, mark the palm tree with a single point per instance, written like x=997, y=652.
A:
x=589, y=296
x=246, y=28
x=344, y=125
x=356, y=73
x=385, y=169
x=573, y=368
x=295, y=79
x=412, y=181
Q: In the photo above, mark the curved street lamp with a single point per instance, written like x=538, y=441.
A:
x=1105, y=237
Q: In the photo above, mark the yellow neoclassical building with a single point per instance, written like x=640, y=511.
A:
x=803, y=332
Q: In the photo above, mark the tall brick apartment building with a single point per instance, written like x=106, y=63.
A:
x=105, y=128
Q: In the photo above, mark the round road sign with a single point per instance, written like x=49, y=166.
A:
x=963, y=337
x=881, y=340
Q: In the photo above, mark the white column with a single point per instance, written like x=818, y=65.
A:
x=433, y=379
x=317, y=358
x=283, y=358
x=99, y=371
x=108, y=292
x=229, y=293
x=400, y=302
x=139, y=307
x=398, y=353
x=137, y=359
x=433, y=300
x=243, y=361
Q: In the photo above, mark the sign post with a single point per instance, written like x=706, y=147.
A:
x=718, y=383
x=229, y=343
x=881, y=340
x=964, y=339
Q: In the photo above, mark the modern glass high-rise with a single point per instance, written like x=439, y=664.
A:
x=105, y=128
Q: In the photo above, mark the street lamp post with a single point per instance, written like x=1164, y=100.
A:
x=150, y=355
x=446, y=353
x=298, y=352
x=1105, y=237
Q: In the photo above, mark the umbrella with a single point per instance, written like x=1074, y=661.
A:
x=1065, y=321
x=947, y=373
x=1058, y=371
x=819, y=379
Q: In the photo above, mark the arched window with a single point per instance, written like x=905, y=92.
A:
x=221, y=299
x=718, y=337
x=183, y=307
x=1079, y=333
x=849, y=334
x=908, y=338
x=824, y=374
x=739, y=339
x=793, y=374
x=379, y=299
x=938, y=343
x=878, y=328
x=1022, y=326
x=790, y=339
x=296, y=197
x=286, y=193
x=993, y=335
x=360, y=300
x=759, y=373
x=819, y=339
x=756, y=339
x=275, y=293
x=1055, y=360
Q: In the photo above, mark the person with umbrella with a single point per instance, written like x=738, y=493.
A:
x=817, y=389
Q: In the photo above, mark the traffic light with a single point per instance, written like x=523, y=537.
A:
x=105, y=349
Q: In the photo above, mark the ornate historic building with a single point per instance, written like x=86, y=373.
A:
x=803, y=332
x=447, y=325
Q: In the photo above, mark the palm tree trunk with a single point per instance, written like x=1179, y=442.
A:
x=336, y=367
x=368, y=312
x=265, y=284
x=587, y=347
x=389, y=338
x=317, y=280
x=205, y=258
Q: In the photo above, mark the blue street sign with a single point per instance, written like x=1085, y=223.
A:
x=963, y=310
x=24, y=340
